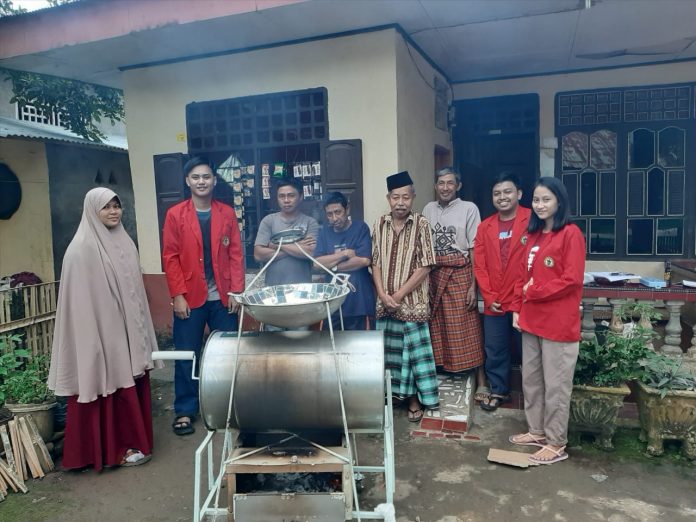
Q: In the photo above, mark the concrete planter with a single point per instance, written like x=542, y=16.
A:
x=595, y=410
x=41, y=413
x=672, y=417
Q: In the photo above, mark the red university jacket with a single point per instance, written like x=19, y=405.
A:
x=497, y=284
x=182, y=252
x=551, y=306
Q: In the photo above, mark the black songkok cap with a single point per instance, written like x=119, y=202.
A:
x=395, y=181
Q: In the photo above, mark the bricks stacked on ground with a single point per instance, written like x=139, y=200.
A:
x=453, y=419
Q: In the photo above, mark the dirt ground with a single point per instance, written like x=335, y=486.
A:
x=437, y=481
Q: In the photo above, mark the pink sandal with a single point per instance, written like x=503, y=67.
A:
x=559, y=453
x=528, y=439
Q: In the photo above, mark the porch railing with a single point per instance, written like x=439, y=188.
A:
x=30, y=311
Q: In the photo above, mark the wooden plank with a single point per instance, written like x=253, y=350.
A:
x=12, y=479
x=511, y=458
x=29, y=453
x=39, y=445
x=20, y=462
x=9, y=454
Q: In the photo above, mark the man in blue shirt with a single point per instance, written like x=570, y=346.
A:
x=345, y=246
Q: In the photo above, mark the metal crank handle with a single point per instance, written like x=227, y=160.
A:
x=176, y=355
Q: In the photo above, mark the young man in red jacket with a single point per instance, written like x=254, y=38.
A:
x=203, y=261
x=497, y=254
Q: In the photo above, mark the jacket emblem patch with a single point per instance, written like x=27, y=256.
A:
x=523, y=240
x=225, y=241
x=548, y=261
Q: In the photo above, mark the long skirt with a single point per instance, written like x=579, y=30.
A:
x=408, y=355
x=99, y=433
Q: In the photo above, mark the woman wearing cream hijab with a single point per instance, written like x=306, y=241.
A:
x=103, y=342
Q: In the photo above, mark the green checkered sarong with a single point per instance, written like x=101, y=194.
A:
x=408, y=355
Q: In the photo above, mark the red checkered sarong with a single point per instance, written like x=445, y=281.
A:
x=455, y=331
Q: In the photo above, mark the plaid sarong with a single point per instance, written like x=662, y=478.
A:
x=408, y=355
x=455, y=332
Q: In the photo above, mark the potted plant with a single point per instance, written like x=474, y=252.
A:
x=23, y=387
x=604, y=365
x=666, y=398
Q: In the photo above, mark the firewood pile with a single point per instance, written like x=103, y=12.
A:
x=25, y=455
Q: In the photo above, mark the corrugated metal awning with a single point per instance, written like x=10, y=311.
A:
x=11, y=128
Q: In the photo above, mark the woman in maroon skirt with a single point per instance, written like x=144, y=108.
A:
x=103, y=343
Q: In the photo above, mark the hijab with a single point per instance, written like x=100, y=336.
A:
x=103, y=338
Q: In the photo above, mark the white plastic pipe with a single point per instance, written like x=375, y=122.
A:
x=173, y=355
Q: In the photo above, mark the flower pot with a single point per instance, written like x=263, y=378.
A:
x=672, y=417
x=595, y=410
x=41, y=413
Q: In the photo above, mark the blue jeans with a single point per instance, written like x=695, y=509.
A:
x=188, y=335
x=498, y=335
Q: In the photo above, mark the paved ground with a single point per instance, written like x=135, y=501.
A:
x=437, y=481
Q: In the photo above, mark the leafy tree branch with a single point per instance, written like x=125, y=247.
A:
x=81, y=105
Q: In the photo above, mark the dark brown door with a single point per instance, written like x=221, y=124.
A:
x=170, y=187
x=341, y=163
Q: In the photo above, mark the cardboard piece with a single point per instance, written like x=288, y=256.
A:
x=510, y=458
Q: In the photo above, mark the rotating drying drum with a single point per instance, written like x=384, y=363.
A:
x=288, y=381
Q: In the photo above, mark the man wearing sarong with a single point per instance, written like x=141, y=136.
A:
x=455, y=326
x=402, y=254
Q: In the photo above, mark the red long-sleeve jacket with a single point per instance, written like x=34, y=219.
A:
x=551, y=305
x=182, y=252
x=497, y=283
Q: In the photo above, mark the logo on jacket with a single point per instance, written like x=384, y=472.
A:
x=523, y=239
x=548, y=261
x=225, y=241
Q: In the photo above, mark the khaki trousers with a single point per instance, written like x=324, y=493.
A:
x=547, y=382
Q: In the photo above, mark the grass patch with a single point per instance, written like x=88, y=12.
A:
x=627, y=446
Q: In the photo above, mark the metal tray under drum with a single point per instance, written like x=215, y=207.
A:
x=293, y=306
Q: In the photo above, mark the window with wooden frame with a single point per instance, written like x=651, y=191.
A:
x=624, y=159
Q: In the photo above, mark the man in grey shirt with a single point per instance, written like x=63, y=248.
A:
x=291, y=265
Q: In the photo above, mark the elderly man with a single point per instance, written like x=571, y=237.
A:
x=344, y=245
x=402, y=254
x=455, y=326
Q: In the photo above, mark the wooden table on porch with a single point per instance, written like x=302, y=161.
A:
x=674, y=297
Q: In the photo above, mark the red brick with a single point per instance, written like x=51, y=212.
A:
x=458, y=426
x=472, y=437
x=454, y=436
x=418, y=433
x=436, y=435
x=429, y=423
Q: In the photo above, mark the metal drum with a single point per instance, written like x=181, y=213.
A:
x=288, y=380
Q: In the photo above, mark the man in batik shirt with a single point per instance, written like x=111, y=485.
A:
x=402, y=254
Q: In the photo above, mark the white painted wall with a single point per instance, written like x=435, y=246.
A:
x=416, y=130
x=548, y=86
x=25, y=238
x=359, y=73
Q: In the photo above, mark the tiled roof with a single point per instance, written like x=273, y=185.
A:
x=12, y=128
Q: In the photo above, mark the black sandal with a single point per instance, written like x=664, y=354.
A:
x=182, y=427
x=493, y=401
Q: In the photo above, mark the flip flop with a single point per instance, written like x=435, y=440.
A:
x=529, y=440
x=482, y=392
x=134, y=457
x=415, y=415
x=560, y=455
x=493, y=401
x=181, y=427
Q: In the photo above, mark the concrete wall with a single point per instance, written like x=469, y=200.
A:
x=416, y=131
x=548, y=86
x=359, y=73
x=25, y=238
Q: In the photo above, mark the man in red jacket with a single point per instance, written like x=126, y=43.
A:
x=203, y=261
x=497, y=254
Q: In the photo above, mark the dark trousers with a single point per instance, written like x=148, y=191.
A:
x=498, y=338
x=188, y=335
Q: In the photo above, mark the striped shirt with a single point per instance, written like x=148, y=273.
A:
x=398, y=256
